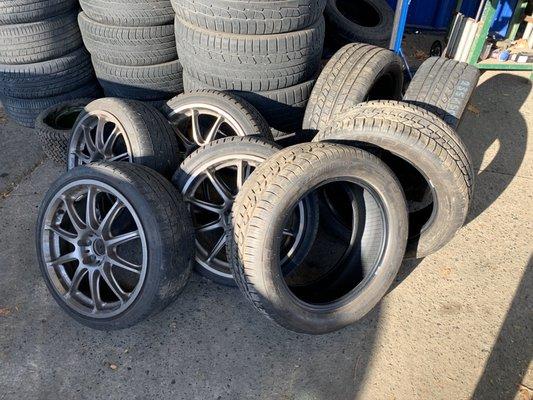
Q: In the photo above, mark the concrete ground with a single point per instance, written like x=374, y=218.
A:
x=456, y=325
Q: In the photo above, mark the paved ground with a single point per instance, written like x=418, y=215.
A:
x=456, y=325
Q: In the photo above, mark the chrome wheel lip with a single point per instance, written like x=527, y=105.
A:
x=49, y=244
x=77, y=140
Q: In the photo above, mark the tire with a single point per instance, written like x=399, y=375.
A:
x=366, y=21
x=250, y=62
x=47, y=78
x=132, y=46
x=39, y=41
x=250, y=18
x=233, y=116
x=24, y=11
x=443, y=87
x=25, y=111
x=356, y=73
x=258, y=214
x=54, y=125
x=151, y=82
x=148, y=138
x=431, y=151
x=283, y=108
x=163, y=226
x=129, y=12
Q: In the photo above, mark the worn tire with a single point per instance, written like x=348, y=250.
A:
x=356, y=73
x=250, y=18
x=24, y=11
x=443, y=87
x=47, y=78
x=129, y=12
x=39, y=41
x=431, y=148
x=150, y=82
x=25, y=111
x=260, y=209
x=167, y=227
x=54, y=125
x=250, y=62
x=132, y=46
x=366, y=21
x=152, y=141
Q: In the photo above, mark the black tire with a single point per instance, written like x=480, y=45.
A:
x=39, y=41
x=443, y=87
x=25, y=111
x=54, y=125
x=128, y=45
x=250, y=62
x=260, y=210
x=151, y=82
x=166, y=225
x=356, y=73
x=129, y=12
x=47, y=78
x=24, y=11
x=283, y=108
x=250, y=18
x=149, y=138
x=419, y=147
x=366, y=21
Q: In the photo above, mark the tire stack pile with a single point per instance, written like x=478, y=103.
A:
x=267, y=52
x=42, y=59
x=133, y=48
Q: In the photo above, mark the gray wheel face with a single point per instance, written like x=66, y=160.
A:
x=98, y=136
x=94, y=248
x=210, y=192
x=198, y=124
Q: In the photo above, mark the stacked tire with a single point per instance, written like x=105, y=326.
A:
x=42, y=59
x=132, y=47
x=267, y=52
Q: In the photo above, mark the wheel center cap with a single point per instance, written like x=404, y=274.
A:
x=99, y=247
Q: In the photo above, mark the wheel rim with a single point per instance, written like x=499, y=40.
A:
x=98, y=136
x=94, y=249
x=211, y=190
x=198, y=124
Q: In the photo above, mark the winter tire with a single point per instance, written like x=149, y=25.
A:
x=24, y=11
x=129, y=12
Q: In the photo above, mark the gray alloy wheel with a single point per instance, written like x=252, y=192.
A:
x=94, y=248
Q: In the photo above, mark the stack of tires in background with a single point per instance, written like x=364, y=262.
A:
x=132, y=47
x=42, y=59
x=267, y=52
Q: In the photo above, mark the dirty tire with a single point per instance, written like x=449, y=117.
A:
x=258, y=215
x=250, y=62
x=129, y=12
x=150, y=82
x=366, y=21
x=24, y=11
x=250, y=18
x=39, y=41
x=443, y=87
x=429, y=145
x=167, y=227
x=25, y=111
x=152, y=141
x=54, y=125
x=356, y=73
x=119, y=45
x=47, y=78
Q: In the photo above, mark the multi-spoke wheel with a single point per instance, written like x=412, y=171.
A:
x=99, y=236
x=206, y=115
x=123, y=130
x=209, y=180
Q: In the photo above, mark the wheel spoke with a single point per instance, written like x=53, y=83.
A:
x=94, y=287
x=62, y=233
x=214, y=129
x=91, y=219
x=219, y=186
x=243, y=172
x=82, y=158
x=110, y=142
x=75, y=218
x=119, y=262
x=76, y=279
x=100, y=134
x=65, y=258
x=105, y=225
x=288, y=232
x=216, y=249
x=204, y=205
x=120, y=157
x=89, y=143
x=122, y=239
x=108, y=277
x=195, y=125
x=211, y=226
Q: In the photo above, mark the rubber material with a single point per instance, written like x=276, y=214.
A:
x=25, y=11
x=166, y=224
x=129, y=12
x=425, y=142
x=443, y=87
x=128, y=45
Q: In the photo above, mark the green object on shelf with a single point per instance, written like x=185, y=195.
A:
x=517, y=19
